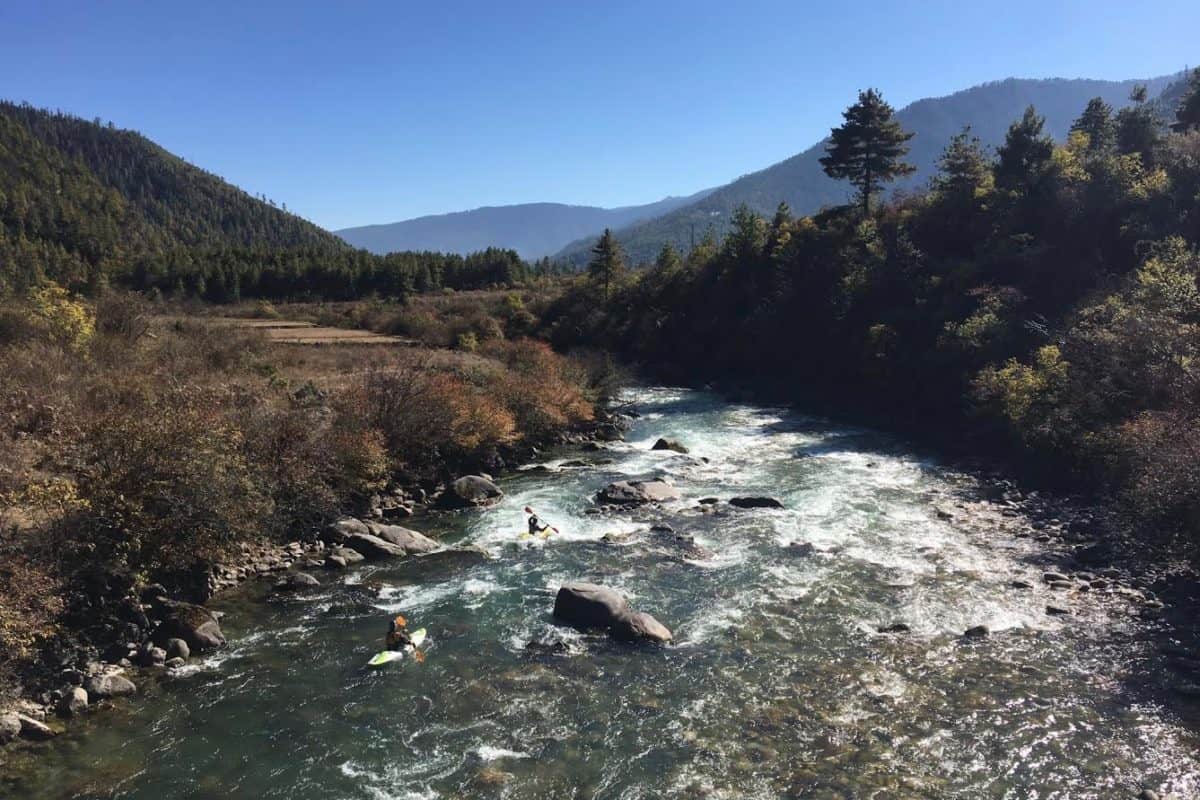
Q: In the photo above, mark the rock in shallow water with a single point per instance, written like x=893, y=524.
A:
x=588, y=605
x=472, y=490
x=73, y=702
x=669, y=444
x=634, y=493
x=195, y=624
x=10, y=727
x=105, y=687
x=755, y=502
x=977, y=631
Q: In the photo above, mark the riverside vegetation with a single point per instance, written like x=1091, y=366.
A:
x=1041, y=299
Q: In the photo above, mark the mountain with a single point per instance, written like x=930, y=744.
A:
x=801, y=183
x=85, y=204
x=532, y=229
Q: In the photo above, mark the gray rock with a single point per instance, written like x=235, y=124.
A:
x=105, y=687
x=755, y=502
x=895, y=627
x=373, y=548
x=1051, y=577
x=1057, y=611
x=153, y=655
x=337, y=532
x=34, y=730
x=73, y=702
x=195, y=624
x=466, y=555
x=472, y=490
x=588, y=605
x=1148, y=794
x=636, y=626
x=1020, y=584
x=343, y=557
x=297, y=580
x=708, y=501
x=178, y=648
x=634, y=493
x=669, y=444
x=412, y=541
x=977, y=631
x=10, y=727
x=174, y=663
x=803, y=549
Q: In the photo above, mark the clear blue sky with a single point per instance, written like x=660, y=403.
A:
x=354, y=113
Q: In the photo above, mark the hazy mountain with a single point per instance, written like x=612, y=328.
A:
x=532, y=229
x=988, y=109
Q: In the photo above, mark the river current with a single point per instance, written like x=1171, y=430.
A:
x=779, y=683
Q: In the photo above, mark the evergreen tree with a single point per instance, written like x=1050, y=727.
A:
x=1138, y=127
x=1187, y=115
x=869, y=147
x=608, y=262
x=668, y=259
x=963, y=168
x=1025, y=156
x=1097, y=122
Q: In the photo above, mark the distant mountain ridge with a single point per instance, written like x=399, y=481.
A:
x=800, y=182
x=532, y=229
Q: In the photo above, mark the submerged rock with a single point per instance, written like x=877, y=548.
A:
x=472, y=491
x=669, y=444
x=634, y=493
x=342, y=557
x=895, y=627
x=297, y=580
x=977, y=631
x=755, y=502
x=466, y=555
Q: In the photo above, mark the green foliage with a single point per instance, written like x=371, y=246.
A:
x=86, y=205
x=1187, y=114
x=1045, y=300
x=607, y=264
x=868, y=148
x=1096, y=122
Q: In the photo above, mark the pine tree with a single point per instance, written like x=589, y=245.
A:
x=869, y=147
x=963, y=168
x=1138, y=127
x=668, y=259
x=608, y=262
x=1187, y=115
x=1025, y=156
x=1097, y=122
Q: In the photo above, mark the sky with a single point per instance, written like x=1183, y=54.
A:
x=359, y=112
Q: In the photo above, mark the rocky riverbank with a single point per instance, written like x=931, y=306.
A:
x=159, y=633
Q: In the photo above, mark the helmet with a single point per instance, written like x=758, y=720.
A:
x=528, y=510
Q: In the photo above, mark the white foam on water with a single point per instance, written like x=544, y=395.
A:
x=488, y=753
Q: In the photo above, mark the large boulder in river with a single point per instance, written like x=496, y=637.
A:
x=755, y=502
x=588, y=605
x=472, y=491
x=464, y=556
x=636, y=626
x=413, y=542
x=669, y=444
x=636, y=493
x=195, y=624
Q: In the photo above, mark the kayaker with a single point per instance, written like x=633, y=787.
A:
x=397, y=637
x=535, y=524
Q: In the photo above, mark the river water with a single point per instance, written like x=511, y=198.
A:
x=778, y=685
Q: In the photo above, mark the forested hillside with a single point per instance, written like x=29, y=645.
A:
x=1043, y=296
x=534, y=230
x=84, y=204
x=800, y=182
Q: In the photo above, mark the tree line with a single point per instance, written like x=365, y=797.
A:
x=84, y=205
x=1042, y=297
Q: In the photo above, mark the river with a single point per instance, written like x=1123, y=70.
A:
x=778, y=685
